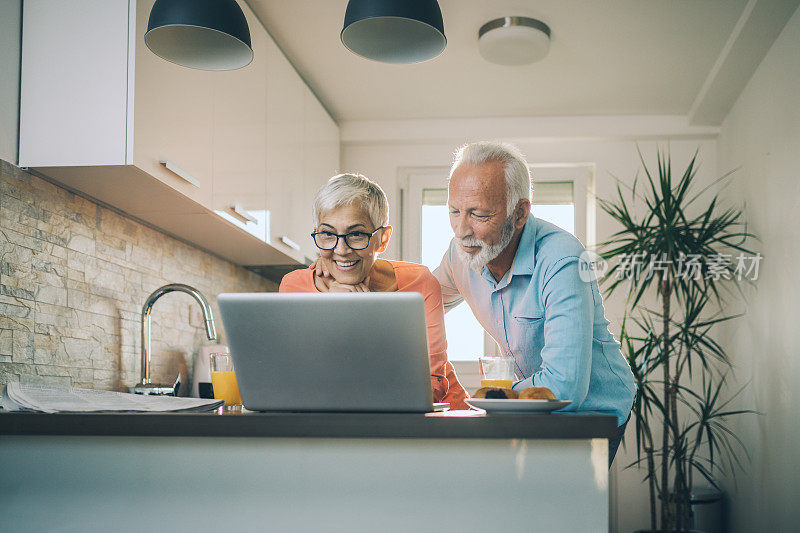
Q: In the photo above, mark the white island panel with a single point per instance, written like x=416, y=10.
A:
x=288, y=484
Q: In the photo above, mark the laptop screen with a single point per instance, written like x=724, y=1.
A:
x=329, y=352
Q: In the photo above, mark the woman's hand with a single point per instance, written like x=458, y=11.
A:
x=328, y=284
x=335, y=286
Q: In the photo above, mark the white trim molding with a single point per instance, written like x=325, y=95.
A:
x=523, y=129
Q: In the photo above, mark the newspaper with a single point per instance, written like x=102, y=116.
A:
x=49, y=399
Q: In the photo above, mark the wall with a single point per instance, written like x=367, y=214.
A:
x=73, y=278
x=761, y=136
x=10, y=28
x=382, y=151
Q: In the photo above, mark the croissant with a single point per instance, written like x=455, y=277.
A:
x=496, y=393
x=536, y=393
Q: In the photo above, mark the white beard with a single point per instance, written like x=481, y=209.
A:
x=487, y=252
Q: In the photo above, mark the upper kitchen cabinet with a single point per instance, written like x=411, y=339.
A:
x=321, y=161
x=302, y=154
x=74, y=102
x=239, y=139
x=173, y=117
x=220, y=159
x=93, y=95
x=285, y=191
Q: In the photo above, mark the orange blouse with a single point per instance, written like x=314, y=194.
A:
x=411, y=277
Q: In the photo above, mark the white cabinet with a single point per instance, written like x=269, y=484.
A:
x=93, y=94
x=239, y=139
x=321, y=161
x=172, y=118
x=302, y=154
x=200, y=154
x=284, y=152
x=74, y=101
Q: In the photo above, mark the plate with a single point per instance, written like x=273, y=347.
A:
x=497, y=405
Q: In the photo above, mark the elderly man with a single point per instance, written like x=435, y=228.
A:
x=520, y=277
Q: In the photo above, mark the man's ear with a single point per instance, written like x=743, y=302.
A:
x=521, y=212
x=385, y=234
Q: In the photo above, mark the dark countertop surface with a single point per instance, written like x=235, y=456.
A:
x=457, y=424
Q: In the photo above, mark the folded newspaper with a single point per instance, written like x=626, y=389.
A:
x=49, y=399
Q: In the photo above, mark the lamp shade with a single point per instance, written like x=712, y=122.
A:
x=201, y=34
x=394, y=31
x=514, y=40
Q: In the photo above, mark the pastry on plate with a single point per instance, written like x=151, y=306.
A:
x=496, y=393
x=536, y=393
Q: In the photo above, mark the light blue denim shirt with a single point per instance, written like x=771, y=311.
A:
x=545, y=316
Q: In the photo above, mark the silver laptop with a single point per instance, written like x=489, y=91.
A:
x=329, y=352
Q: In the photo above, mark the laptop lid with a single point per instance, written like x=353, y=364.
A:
x=329, y=352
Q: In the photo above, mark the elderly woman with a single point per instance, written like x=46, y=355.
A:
x=351, y=217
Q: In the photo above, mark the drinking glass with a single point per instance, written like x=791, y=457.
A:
x=496, y=371
x=223, y=381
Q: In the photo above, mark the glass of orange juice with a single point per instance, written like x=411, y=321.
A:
x=496, y=371
x=223, y=381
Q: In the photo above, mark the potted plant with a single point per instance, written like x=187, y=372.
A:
x=688, y=256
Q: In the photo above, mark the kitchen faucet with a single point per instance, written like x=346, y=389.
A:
x=146, y=386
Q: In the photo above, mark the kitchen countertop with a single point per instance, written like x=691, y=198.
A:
x=448, y=425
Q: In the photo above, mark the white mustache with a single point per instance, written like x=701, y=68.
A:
x=471, y=242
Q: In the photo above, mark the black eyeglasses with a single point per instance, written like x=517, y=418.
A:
x=355, y=240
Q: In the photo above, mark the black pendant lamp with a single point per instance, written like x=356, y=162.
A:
x=201, y=34
x=394, y=31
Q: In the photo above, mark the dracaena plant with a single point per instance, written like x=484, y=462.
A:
x=679, y=246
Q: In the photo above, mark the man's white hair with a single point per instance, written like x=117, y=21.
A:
x=353, y=189
x=518, y=177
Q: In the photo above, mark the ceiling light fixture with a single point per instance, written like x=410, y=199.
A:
x=201, y=34
x=394, y=31
x=514, y=40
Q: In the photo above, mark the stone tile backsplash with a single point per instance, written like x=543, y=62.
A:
x=73, y=278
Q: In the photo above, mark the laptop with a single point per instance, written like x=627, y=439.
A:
x=365, y=352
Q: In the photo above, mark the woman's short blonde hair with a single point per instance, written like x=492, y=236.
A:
x=353, y=189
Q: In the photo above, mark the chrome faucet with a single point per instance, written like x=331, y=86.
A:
x=146, y=386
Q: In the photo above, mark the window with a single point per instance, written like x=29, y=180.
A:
x=427, y=234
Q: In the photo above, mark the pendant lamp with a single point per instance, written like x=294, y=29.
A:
x=201, y=34
x=394, y=31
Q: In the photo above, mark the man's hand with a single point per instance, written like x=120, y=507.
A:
x=319, y=269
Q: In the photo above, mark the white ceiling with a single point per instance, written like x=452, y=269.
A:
x=607, y=57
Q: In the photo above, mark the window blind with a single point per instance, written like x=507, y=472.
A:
x=544, y=193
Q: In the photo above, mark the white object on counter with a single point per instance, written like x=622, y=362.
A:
x=54, y=399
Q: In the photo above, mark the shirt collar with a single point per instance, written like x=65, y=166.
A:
x=487, y=275
x=524, y=259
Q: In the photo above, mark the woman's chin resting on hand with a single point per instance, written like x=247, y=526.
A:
x=351, y=228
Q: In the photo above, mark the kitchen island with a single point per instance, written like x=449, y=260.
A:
x=459, y=471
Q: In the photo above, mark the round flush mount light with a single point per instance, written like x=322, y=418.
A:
x=514, y=40
x=394, y=31
x=200, y=34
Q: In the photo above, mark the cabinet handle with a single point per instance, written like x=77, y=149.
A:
x=241, y=213
x=178, y=171
x=289, y=242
